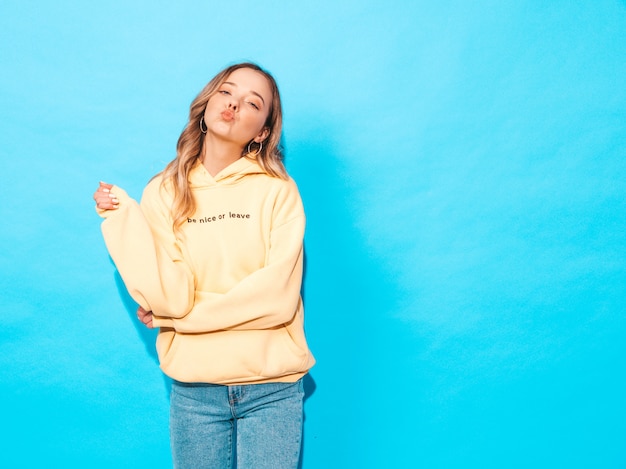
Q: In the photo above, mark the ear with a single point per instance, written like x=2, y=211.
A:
x=263, y=134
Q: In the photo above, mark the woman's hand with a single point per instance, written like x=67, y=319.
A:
x=105, y=200
x=145, y=317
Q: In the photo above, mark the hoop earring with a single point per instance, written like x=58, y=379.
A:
x=258, y=150
x=203, y=127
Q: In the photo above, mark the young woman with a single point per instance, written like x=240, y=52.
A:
x=214, y=257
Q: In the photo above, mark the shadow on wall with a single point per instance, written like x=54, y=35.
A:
x=147, y=336
x=350, y=302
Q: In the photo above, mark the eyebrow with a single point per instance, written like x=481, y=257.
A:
x=252, y=91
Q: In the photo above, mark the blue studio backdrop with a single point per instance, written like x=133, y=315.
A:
x=463, y=168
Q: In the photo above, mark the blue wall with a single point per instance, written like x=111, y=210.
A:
x=463, y=167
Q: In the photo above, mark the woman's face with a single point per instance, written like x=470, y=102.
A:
x=238, y=110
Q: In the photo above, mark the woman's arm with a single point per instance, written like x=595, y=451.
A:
x=150, y=260
x=267, y=298
x=155, y=275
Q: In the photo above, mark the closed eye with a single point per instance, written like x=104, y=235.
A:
x=254, y=105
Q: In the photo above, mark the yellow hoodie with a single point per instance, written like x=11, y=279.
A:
x=225, y=291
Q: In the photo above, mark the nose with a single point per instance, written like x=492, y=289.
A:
x=232, y=104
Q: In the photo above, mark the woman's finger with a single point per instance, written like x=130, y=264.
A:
x=105, y=199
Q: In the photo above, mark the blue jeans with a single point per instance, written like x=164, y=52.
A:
x=264, y=420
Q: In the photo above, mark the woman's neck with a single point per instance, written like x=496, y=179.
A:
x=217, y=155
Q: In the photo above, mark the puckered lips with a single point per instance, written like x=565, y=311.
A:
x=228, y=115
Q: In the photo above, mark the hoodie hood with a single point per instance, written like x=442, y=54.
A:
x=199, y=177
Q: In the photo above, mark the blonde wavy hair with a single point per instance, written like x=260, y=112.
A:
x=191, y=141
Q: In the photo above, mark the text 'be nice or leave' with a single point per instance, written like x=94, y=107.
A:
x=222, y=216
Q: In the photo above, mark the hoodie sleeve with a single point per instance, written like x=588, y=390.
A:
x=153, y=271
x=270, y=296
